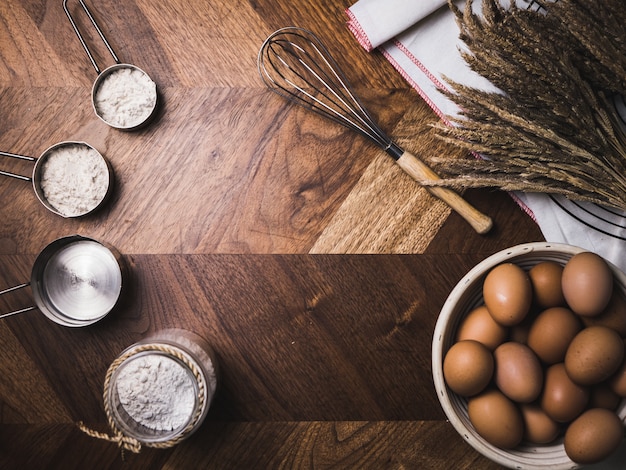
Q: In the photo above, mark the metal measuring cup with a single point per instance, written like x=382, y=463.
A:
x=108, y=93
x=75, y=281
x=39, y=172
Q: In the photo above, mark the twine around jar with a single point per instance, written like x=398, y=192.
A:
x=132, y=444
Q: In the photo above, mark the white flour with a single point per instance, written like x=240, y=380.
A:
x=157, y=392
x=125, y=97
x=74, y=179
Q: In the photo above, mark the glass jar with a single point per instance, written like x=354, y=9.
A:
x=159, y=390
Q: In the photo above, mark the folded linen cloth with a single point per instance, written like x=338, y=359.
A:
x=421, y=40
x=380, y=21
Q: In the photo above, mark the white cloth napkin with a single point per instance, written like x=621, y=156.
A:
x=421, y=40
x=376, y=22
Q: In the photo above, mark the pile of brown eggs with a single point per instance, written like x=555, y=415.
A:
x=544, y=357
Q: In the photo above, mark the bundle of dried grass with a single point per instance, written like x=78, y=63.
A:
x=554, y=127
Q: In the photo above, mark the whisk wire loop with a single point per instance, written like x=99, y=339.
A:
x=296, y=65
x=361, y=113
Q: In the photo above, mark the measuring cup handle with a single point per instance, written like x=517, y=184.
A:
x=80, y=37
x=20, y=157
x=13, y=175
x=16, y=312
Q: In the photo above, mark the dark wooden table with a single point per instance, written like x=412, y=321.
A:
x=311, y=263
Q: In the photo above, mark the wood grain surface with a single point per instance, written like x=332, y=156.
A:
x=314, y=266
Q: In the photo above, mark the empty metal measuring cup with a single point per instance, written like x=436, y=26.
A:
x=123, y=95
x=61, y=198
x=75, y=281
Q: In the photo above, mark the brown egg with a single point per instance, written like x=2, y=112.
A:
x=518, y=373
x=480, y=326
x=552, y=332
x=562, y=399
x=593, y=436
x=587, y=283
x=618, y=380
x=508, y=294
x=602, y=396
x=539, y=428
x=468, y=367
x=496, y=418
x=545, y=278
x=613, y=316
x=594, y=355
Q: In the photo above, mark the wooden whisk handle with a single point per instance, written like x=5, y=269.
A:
x=421, y=173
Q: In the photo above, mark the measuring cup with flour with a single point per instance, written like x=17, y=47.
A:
x=75, y=281
x=123, y=95
x=71, y=179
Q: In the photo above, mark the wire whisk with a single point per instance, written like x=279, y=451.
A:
x=295, y=64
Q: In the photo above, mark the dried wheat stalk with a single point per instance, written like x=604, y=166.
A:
x=554, y=129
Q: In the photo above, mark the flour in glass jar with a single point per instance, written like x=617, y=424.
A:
x=157, y=392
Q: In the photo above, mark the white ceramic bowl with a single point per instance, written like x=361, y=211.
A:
x=465, y=297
